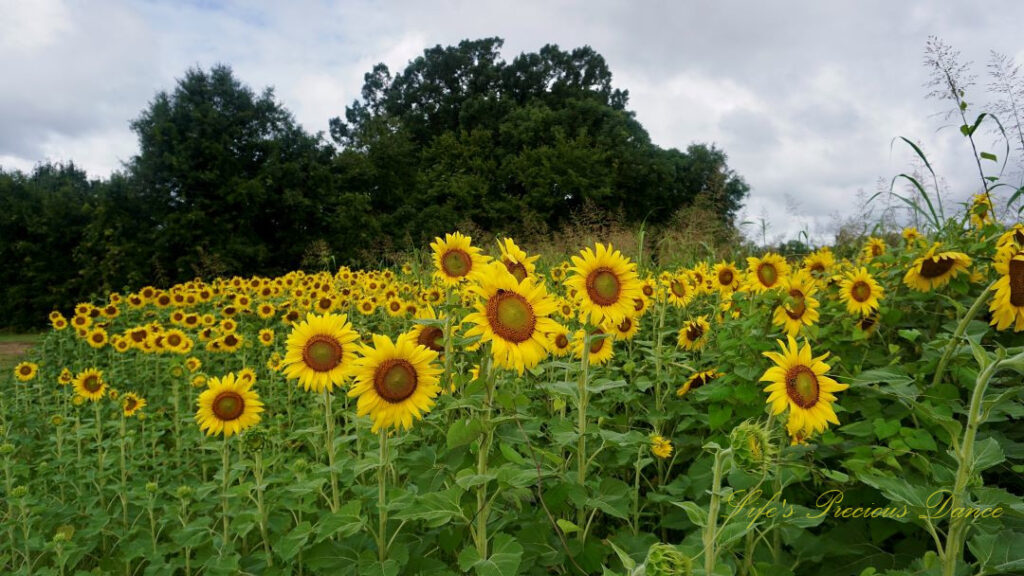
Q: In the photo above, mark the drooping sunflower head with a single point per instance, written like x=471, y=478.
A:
x=599, y=346
x=911, y=236
x=861, y=292
x=455, y=258
x=516, y=261
x=698, y=379
x=868, y=324
x=1007, y=304
x=752, y=446
x=981, y=211
x=935, y=270
x=766, y=273
x=513, y=316
x=89, y=385
x=874, y=248
x=605, y=282
x=429, y=334
x=320, y=352
x=661, y=447
x=66, y=377
x=694, y=334
x=798, y=382
x=228, y=406
x=395, y=382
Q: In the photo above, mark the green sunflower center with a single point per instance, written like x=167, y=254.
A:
x=799, y=306
x=596, y=344
x=603, y=287
x=395, y=380
x=802, y=386
x=92, y=384
x=228, y=405
x=860, y=291
x=678, y=288
x=1016, y=274
x=456, y=263
x=936, y=267
x=431, y=337
x=725, y=277
x=767, y=274
x=322, y=353
x=511, y=317
x=516, y=269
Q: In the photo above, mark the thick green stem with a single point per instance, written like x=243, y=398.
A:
x=382, y=510
x=711, y=529
x=482, y=507
x=261, y=507
x=225, y=463
x=581, y=442
x=940, y=370
x=329, y=416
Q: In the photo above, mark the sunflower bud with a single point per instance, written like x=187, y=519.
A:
x=6, y=448
x=64, y=533
x=255, y=439
x=666, y=560
x=151, y=487
x=19, y=492
x=183, y=492
x=57, y=420
x=751, y=446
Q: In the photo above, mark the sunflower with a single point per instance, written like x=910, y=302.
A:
x=198, y=381
x=516, y=260
x=820, y=262
x=696, y=380
x=933, y=270
x=97, y=338
x=624, y=330
x=193, y=363
x=600, y=346
x=981, y=211
x=429, y=335
x=176, y=341
x=1007, y=305
x=694, y=333
x=132, y=403
x=798, y=381
x=394, y=307
x=320, y=351
x=513, y=316
x=65, y=377
x=725, y=277
x=678, y=289
x=868, y=324
x=911, y=236
x=455, y=258
x=229, y=342
x=89, y=385
x=661, y=447
x=559, y=342
x=367, y=306
x=266, y=337
x=395, y=381
x=606, y=282
x=800, y=307
x=860, y=292
x=766, y=272
x=26, y=371
x=59, y=323
x=873, y=249
x=228, y=406
x=266, y=310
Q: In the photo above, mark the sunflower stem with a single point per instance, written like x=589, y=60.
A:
x=329, y=416
x=940, y=371
x=482, y=505
x=581, y=442
x=261, y=508
x=225, y=463
x=710, y=535
x=382, y=510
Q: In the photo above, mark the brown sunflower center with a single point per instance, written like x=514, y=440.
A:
x=456, y=263
x=1016, y=274
x=1018, y=236
x=678, y=288
x=395, y=380
x=325, y=303
x=802, y=386
x=638, y=304
x=725, y=277
x=625, y=325
x=860, y=291
x=322, y=353
x=694, y=331
x=866, y=323
x=130, y=404
x=561, y=341
x=173, y=340
x=516, y=269
x=648, y=290
x=596, y=344
x=230, y=340
x=817, y=268
x=431, y=337
x=26, y=370
x=511, y=317
x=228, y=405
x=92, y=384
x=936, y=267
x=767, y=274
x=796, y=311
x=603, y=287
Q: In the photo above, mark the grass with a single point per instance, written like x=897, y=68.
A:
x=14, y=346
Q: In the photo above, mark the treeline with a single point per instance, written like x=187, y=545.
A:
x=226, y=181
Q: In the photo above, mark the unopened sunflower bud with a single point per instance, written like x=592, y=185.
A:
x=6, y=448
x=666, y=560
x=183, y=492
x=752, y=447
x=151, y=487
x=19, y=492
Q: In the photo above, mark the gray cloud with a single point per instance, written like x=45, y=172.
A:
x=804, y=96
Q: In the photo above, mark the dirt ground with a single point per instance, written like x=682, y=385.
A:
x=11, y=351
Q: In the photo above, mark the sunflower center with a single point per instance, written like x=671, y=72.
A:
x=860, y=291
x=767, y=274
x=92, y=384
x=648, y=290
x=626, y=325
x=1017, y=282
x=678, y=288
x=866, y=323
x=173, y=340
x=322, y=353
x=395, y=380
x=97, y=337
x=456, y=263
x=230, y=340
x=130, y=404
x=561, y=341
x=26, y=370
x=603, y=287
x=817, y=267
x=796, y=311
x=802, y=386
x=638, y=304
x=511, y=317
x=596, y=344
x=694, y=331
x=936, y=267
x=228, y=405
x=725, y=277
x=431, y=337
x=516, y=269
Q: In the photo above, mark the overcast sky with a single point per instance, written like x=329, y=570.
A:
x=805, y=97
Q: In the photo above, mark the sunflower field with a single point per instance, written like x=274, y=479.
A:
x=480, y=411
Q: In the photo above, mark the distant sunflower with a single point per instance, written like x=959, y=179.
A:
x=694, y=333
x=1007, y=304
x=874, y=248
x=455, y=258
x=228, y=406
x=560, y=344
x=696, y=380
x=933, y=270
x=320, y=351
x=911, y=236
x=429, y=335
x=765, y=273
x=97, y=338
x=678, y=289
x=132, y=403
x=516, y=261
x=230, y=342
x=26, y=371
x=606, y=282
x=981, y=211
x=624, y=330
x=266, y=337
x=395, y=381
x=868, y=324
x=367, y=306
x=798, y=382
x=600, y=350
x=820, y=262
x=66, y=377
x=513, y=316
x=800, y=307
x=726, y=277
x=89, y=385
x=860, y=291
x=661, y=447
